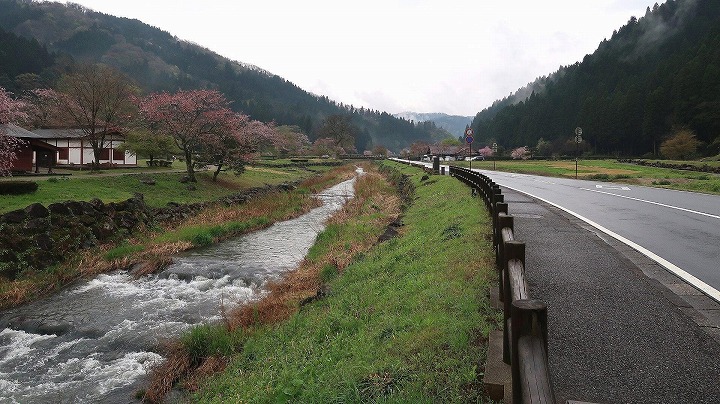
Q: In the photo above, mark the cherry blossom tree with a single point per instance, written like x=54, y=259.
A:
x=193, y=118
x=291, y=140
x=235, y=143
x=11, y=111
x=326, y=145
x=486, y=151
x=417, y=149
x=520, y=153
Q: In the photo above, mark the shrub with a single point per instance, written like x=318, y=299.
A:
x=600, y=177
x=18, y=187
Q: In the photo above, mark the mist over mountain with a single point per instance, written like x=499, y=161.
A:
x=159, y=61
x=454, y=124
x=654, y=75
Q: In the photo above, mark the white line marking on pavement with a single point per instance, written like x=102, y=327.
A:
x=689, y=278
x=654, y=203
x=612, y=187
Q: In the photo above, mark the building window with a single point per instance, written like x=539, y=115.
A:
x=64, y=153
x=105, y=154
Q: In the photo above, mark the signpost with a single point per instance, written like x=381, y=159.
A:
x=469, y=140
x=494, y=149
x=578, y=139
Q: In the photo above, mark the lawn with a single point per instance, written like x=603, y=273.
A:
x=118, y=185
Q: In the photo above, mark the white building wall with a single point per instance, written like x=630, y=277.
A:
x=74, y=156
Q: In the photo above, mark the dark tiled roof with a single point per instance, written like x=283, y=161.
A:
x=59, y=133
x=16, y=131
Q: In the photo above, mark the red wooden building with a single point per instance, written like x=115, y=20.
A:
x=33, y=153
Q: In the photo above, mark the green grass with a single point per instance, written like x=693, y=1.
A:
x=611, y=170
x=406, y=322
x=123, y=250
x=167, y=186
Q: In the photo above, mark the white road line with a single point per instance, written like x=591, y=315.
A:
x=687, y=277
x=654, y=203
x=620, y=188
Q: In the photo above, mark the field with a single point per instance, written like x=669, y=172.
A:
x=611, y=170
x=121, y=184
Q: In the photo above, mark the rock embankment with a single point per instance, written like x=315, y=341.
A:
x=37, y=237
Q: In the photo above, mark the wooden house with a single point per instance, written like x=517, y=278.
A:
x=75, y=149
x=33, y=153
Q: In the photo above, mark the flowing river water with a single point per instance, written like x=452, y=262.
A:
x=94, y=342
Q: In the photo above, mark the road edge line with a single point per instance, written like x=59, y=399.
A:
x=679, y=272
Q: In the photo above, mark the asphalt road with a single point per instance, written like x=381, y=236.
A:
x=679, y=230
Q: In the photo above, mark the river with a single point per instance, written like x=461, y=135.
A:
x=95, y=341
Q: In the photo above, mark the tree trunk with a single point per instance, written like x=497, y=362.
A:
x=189, y=166
x=96, y=161
x=215, y=174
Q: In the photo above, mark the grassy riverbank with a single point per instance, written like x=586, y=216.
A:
x=149, y=249
x=610, y=170
x=405, y=320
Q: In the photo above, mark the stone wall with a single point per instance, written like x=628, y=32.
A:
x=37, y=237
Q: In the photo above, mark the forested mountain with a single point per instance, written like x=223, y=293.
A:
x=22, y=61
x=160, y=62
x=454, y=124
x=654, y=75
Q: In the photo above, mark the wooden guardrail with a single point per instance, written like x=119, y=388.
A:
x=525, y=319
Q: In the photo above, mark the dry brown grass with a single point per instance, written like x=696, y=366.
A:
x=164, y=374
x=320, y=182
x=209, y=367
x=13, y=293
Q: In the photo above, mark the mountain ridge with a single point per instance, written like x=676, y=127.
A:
x=159, y=61
x=654, y=75
x=454, y=124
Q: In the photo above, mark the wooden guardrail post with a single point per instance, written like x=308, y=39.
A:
x=512, y=250
x=503, y=221
x=530, y=378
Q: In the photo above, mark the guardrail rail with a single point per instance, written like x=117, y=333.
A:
x=525, y=335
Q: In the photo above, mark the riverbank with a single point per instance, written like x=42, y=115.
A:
x=149, y=249
x=405, y=319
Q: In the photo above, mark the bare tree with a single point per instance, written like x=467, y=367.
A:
x=98, y=100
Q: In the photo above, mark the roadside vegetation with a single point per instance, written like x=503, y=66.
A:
x=612, y=170
x=404, y=320
x=150, y=249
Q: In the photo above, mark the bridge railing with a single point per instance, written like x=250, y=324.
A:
x=525, y=319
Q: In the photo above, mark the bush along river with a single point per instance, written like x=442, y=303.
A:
x=95, y=342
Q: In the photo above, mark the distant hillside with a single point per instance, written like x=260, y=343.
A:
x=654, y=74
x=454, y=124
x=22, y=61
x=159, y=61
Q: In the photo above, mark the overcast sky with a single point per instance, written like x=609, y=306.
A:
x=452, y=56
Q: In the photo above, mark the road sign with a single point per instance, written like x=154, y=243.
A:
x=469, y=139
x=468, y=132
